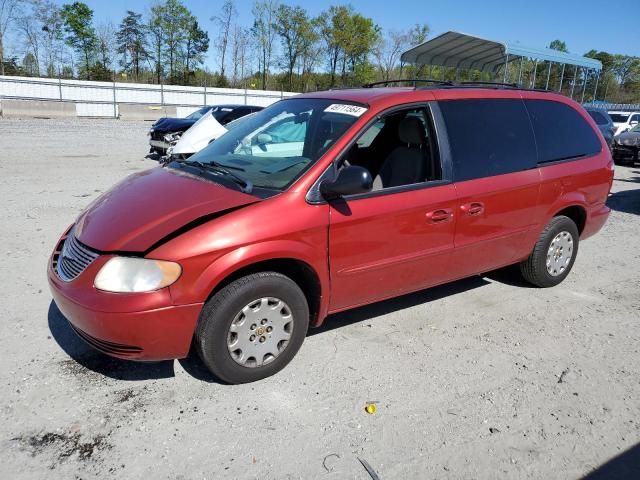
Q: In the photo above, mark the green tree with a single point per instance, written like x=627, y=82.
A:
x=155, y=29
x=197, y=44
x=296, y=33
x=558, y=45
x=80, y=34
x=131, y=43
x=333, y=25
x=264, y=12
x=176, y=21
x=362, y=36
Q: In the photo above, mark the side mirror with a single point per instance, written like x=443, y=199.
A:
x=351, y=180
x=263, y=139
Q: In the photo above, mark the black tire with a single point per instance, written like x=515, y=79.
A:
x=534, y=268
x=220, y=310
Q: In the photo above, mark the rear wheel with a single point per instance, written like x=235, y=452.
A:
x=253, y=327
x=553, y=255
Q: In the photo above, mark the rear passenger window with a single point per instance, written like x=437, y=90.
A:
x=488, y=137
x=561, y=132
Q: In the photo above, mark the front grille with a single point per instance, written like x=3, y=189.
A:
x=110, y=348
x=72, y=258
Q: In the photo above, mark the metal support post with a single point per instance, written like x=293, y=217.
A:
x=573, y=83
x=506, y=68
x=520, y=71
x=115, y=105
x=561, y=78
x=546, y=87
x=60, y=83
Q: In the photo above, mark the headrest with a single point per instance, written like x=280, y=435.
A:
x=411, y=131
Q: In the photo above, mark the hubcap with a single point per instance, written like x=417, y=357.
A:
x=260, y=332
x=559, y=253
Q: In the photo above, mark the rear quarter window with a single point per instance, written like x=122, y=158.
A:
x=561, y=132
x=488, y=137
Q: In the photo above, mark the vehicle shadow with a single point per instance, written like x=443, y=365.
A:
x=622, y=467
x=153, y=156
x=384, y=307
x=626, y=201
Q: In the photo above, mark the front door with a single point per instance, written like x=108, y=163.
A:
x=399, y=237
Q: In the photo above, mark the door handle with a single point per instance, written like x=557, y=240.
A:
x=472, y=209
x=439, y=216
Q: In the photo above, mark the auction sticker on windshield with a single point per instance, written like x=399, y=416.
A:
x=353, y=110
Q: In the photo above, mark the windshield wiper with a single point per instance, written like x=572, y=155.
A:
x=246, y=185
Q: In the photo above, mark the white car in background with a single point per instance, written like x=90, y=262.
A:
x=624, y=121
x=208, y=128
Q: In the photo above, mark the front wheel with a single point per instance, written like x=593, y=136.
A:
x=253, y=327
x=553, y=255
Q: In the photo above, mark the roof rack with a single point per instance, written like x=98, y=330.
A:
x=408, y=80
x=450, y=84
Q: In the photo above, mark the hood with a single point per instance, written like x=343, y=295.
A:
x=206, y=129
x=628, y=138
x=147, y=206
x=172, y=124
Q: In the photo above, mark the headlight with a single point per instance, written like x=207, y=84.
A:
x=172, y=137
x=128, y=275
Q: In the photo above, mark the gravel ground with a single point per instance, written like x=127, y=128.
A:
x=482, y=378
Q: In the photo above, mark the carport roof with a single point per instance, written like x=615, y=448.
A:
x=460, y=50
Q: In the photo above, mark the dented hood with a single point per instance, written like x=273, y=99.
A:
x=148, y=206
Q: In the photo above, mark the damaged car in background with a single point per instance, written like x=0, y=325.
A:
x=206, y=130
x=173, y=127
x=167, y=131
x=626, y=147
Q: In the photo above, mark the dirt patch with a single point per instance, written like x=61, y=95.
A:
x=64, y=445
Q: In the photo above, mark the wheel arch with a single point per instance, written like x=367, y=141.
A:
x=305, y=263
x=297, y=270
x=577, y=213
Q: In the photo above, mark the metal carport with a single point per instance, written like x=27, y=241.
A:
x=462, y=51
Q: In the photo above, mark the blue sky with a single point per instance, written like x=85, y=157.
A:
x=582, y=24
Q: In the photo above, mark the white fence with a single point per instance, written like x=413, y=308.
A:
x=101, y=99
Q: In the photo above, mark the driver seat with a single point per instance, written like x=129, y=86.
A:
x=406, y=164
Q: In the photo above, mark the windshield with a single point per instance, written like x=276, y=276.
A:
x=222, y=114
x=198, y=113
x=619, y=117
x=636, y=128
x=273, y=147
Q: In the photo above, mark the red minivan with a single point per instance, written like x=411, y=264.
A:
x=324, y=202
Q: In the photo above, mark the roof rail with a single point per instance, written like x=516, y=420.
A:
x=450, y=84
x=497, y=84
x=408, y=80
